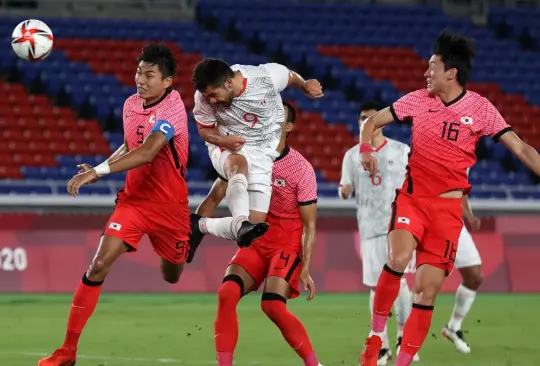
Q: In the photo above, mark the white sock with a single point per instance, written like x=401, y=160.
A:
x=222, y=228
x=238, y=196
x=238, y=201
x=384, y=334
x=464, y=300
x=403, y=306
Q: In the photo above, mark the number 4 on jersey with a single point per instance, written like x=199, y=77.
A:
x=450, y=132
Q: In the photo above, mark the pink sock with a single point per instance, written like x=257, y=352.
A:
x=311, y=359
x=404, y=359
x=224, y=358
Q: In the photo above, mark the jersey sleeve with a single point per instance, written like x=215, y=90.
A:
x=172, y=120
x=279, y=74
x=408, y=106
x=347, y=169
x=494, y=124
x=306, y=190
x=203, y=113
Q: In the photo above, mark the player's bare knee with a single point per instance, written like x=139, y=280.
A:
x=98, y=270
x=472, y=278
x=171, y=272
x=425, y=296
x=399, y=261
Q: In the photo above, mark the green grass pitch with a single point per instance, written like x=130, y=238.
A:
x=145, y=330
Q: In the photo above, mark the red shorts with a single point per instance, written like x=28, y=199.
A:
x=277, y=253
x=435, y=222
x=167, y=227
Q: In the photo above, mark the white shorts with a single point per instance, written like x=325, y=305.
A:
x=260, y=165
x=374, y=252
x=467, y=254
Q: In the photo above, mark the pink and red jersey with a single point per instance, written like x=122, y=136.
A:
x=444, y=138
x=293, y=184
x=163, y=180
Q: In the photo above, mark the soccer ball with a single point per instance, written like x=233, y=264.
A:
x=32, y=40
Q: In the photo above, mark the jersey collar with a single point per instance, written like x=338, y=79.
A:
x=167, y=92
x=459, y=97
x=284, y=153
x=382, y=145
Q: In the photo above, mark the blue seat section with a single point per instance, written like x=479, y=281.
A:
x=293, y=29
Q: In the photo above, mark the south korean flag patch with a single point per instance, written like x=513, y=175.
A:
x=466, y=120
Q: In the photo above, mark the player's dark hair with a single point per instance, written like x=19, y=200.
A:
x=291, y=114
x=457, y=52
x=160, y=55
x=211, y=72
x=369, y=105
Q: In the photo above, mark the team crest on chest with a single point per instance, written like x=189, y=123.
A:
x=280, y=182
x=152, y=119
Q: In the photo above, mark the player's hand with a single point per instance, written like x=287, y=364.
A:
x=313, y=89
x=475, y=223
x=79, y=180
x=369, y=163
x=84, y=168
x=233, y=143
x=308, y=283
x=346, y=190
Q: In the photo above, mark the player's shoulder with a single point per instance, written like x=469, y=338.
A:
x=395, y=144
x=172, y=101
x=298, y=160
x=353, y=150
x=420, y=93
x=473, y=98
x=252, y=70
x=132, y=101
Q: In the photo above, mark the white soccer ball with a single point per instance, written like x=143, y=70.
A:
x=32, y=40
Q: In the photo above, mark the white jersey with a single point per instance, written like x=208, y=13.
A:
x=257, y=114
x=374, y=196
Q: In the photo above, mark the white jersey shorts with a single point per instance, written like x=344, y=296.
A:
x=260, y=164
x=374, y=252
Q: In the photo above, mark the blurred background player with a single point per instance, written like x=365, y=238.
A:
x=155, y=198
x=281, y=257
x=374, y=197
x=239, y=110
x=469, y=264
x=447, y=122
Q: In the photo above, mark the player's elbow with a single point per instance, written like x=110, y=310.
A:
x=146, y=157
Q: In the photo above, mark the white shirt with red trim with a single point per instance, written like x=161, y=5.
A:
x=374, y=196
x=257, y=113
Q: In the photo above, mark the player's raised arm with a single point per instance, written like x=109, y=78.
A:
x=496, y=127
x=160, y=135
x=346, y=186
x=378, y=120
x=283, y=78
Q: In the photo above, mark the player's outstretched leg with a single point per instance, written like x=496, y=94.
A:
x=465, y=295
x=274, y=305
x=428, y=282
x=85, y=300
x=402, y=244
x=236, y=283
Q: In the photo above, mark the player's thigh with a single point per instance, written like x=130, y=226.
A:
x=248, y=268
x=284, y=274
x=227, y=163
x=260, y=181
x=168, y=229
x=405, y=231
x=467, y=254
x=126, y=224
x=440, y=243
x=427, y=284
x=374, y=256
